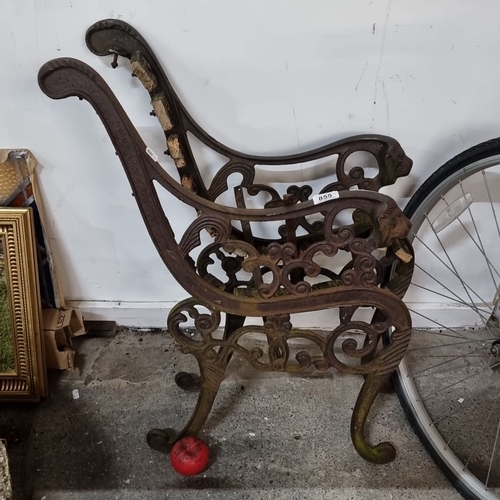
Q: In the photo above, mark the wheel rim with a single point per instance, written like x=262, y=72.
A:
x=410, y=373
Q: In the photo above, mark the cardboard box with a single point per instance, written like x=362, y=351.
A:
x=60, y=326
x=57, y=358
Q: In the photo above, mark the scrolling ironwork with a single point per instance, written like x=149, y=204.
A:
x=300, y=267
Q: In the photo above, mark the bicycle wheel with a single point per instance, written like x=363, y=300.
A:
x=449, y=381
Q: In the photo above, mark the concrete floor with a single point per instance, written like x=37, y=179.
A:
x=272, y=436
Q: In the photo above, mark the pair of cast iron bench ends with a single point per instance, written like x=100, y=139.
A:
x=264, y=277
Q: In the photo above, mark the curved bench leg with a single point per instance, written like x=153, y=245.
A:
x=382, y=453
x=388, y=387
x=212, y=374
x=388, y=360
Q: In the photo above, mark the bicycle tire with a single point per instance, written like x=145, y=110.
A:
x=446, y=173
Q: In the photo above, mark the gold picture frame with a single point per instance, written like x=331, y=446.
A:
x=22, y=357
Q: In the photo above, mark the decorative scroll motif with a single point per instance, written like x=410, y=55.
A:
x=230, y=264
x=269, y=277
x=285, y=261
x=219, y=229
x=391, y=165
x=371, y=360
x=278, y=331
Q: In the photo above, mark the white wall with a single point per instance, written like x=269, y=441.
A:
x=264, y=77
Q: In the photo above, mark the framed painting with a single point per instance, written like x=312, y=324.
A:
x=22, y=363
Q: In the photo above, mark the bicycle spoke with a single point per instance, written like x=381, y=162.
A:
x=478, y=245
x=450, y=377
x=448, y=257
x=488, y=263
x=460, y=301
x=444, y=345
x=491, y=203
x=416, y=375
x=427, y=356
x=457, y=336
x=470, y=400
x=482, y=429
x=476, y=309
x=476, y=389
x=431, y=395
x=454, y=273
x=486, y=324
x=493, y=454
x=440, y=333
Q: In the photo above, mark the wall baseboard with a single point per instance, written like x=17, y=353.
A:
x=132, y=314
x=154, y=314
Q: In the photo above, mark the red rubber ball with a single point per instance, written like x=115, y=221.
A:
x=189, y=456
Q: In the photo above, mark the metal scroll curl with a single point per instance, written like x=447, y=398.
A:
x=339, y=349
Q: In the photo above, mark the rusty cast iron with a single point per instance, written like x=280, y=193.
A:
x=245, y=275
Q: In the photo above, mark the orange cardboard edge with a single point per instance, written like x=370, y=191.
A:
x=60, y=326
x=57, y=359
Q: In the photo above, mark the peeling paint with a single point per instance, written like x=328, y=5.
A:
x=188, y=182
x=174, y=148
x=161, y=109
x=142, y=70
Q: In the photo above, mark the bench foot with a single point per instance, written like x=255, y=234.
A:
x=382, y=453
x=212, y=374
